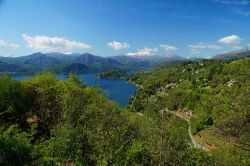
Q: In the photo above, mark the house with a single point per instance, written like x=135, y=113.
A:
x=163, y=89
x=189, y=112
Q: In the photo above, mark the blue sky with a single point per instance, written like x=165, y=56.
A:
x=189, y=28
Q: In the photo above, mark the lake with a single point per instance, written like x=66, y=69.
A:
x=117, y=89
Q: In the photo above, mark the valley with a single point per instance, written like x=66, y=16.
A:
x=181, y=112
x=125, y=83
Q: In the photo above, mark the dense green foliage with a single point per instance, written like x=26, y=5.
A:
x=218, y=92
x=44, y=121
x=113, y=74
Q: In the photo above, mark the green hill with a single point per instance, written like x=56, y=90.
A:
x=217, y=93
x=45, y=121
x=192, y=113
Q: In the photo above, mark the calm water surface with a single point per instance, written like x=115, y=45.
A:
x=117, y=89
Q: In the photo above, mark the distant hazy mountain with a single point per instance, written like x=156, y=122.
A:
x=166, y=58
x=146, y=61
x=125, y=59
x=97, y=61
x=72, y=67
x=64, y=58
x=8, y=67
x=151, y=59
x=86, y=62
x=58, y=62
x=35, y=60
x=132, y=62
x=234, y=55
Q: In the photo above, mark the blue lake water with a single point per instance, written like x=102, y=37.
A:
x=117, y=89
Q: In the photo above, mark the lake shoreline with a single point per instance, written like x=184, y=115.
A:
x=119, y=90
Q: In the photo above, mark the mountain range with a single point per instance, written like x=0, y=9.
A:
x=80, y=63
x=83, y=63
x=234, y=55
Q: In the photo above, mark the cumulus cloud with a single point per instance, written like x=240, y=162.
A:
x=4, y=43
x=144, y=52
x=233, y=39
x=167, y=47
x=204, y=46
x=53, y=44
x=118, y=45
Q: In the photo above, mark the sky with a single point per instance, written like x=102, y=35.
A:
x=188, y=28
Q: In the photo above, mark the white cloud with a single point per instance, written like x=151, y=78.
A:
x=195, y=51
x=233, y=39
x=167, y=47
x=4, y=43
x=14, y=45
x=242, y=13
x=158, y=5
x=204, y=46
x=53, y=44
x=237, y=47
x=213, y=47
x=118, y=45
x=185, y=16
x=144, y=52
x=233, y=2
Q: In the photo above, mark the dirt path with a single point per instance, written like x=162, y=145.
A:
x=195, y=144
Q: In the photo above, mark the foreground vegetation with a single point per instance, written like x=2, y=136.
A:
x=45, y=121
x=218, y=95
